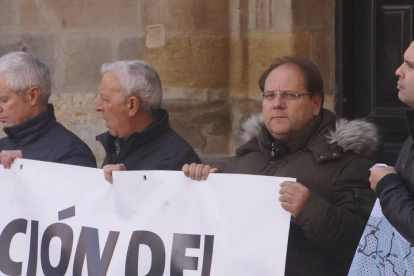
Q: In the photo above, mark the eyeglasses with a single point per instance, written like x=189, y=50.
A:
x=270, y=95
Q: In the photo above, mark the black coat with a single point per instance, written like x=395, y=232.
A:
x=157, y=147
x=396, y=192
x=42, y=138
x=325, y=234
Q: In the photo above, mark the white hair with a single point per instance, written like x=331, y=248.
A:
x=138, y=79
x=23, y=70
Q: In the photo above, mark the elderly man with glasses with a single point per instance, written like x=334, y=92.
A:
x=296, y=137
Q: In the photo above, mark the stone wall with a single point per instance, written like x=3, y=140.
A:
x=209, y=55
x=313, y=21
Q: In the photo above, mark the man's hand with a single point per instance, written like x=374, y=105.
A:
x=198, y=171
x=7, y=157
x=108, y=169
x=378, y=173
x=292, y=196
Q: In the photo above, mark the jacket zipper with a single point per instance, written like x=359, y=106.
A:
x=406, y=159
x=272, y=153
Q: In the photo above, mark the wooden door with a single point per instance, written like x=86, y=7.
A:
x=372, y=36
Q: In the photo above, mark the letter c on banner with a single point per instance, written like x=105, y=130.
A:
x=7, y=265
x=65, y=234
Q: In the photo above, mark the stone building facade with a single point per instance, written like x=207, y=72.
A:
x=209, y=55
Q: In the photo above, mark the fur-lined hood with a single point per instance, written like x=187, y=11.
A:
x=359, y=136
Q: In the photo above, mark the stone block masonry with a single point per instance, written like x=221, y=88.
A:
x=209, y=55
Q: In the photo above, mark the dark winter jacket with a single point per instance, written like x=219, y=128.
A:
x=396, y=192
x=157, y=147
x=42, y=138
x=325, y=234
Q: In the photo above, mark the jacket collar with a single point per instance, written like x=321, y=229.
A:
x=30, y=130
x=157, y=127
x=280, y=147
x=409, y=116
x=325, y=139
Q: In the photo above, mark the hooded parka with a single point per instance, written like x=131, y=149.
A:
x=325, y=234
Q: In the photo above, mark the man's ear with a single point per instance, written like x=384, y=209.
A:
x=133, y=105
x=33, y=95
x=317, y=104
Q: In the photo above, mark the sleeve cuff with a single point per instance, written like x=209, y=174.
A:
x=312, y=204
x=385, y=181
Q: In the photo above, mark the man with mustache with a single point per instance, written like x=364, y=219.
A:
x=139, y=135
x=28, y=119
x=295, y=137
x=395, y=186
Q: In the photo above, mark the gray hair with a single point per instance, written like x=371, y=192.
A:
x=23, y=71
x=138, y=79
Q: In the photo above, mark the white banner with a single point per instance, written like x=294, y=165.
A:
x=67, y=220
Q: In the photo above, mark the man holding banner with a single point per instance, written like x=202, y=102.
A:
x=28, y=119
x=395, y=188
x=139, y=136
x=295, y=137
x=386, y=245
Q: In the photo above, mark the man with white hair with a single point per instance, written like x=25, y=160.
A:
x=28, y=119
x=139, y=136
